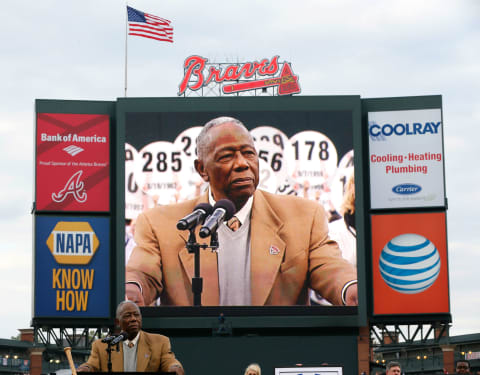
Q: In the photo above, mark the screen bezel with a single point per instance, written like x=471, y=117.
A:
x=253, y=316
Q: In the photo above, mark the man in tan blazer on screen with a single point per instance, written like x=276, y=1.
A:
x=279, y=251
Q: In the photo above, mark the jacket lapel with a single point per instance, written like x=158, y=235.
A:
x=143, y=353
x=266, y=248
x=208, y=265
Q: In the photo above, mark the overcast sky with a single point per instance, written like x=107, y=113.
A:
x=76, y=50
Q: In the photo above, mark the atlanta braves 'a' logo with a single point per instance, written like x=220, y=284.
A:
x=73, y=186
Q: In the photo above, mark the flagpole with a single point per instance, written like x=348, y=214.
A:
x=126, y=46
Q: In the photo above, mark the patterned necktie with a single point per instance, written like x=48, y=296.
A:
x=234, y=223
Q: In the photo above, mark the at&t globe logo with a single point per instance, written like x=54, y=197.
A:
x=409, y=263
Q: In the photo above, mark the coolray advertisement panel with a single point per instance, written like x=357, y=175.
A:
x=406, y=159
x=72, y=162
x=305, y=147
x=410, y=265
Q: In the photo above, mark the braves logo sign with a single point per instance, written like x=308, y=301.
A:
x=195, y=76
x=74, y=187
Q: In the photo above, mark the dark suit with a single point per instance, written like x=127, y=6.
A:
x=153, y=354
x=290, y=251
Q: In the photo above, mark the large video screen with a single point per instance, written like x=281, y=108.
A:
x=287, y=264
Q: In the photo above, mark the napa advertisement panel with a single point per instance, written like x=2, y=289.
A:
x=72, y=267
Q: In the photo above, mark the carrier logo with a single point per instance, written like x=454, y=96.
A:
x=73, y=150
x=409, y=263
x=73, y=187
x=73, y=242
x=406, y=189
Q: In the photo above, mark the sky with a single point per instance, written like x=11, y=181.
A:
x=76, y=50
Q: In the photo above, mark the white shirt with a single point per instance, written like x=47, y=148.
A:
x=234, y=260
x=134, y=341
x=130, y=354
x=244, y=211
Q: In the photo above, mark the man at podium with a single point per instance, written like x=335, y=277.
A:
x=139, y=351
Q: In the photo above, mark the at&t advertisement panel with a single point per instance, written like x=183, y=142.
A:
x=72, y=165
x=72, y=267
x=406, y=159
x=410, y=268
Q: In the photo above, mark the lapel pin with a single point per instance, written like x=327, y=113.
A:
x=274, y=250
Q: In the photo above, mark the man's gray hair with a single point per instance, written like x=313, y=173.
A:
x=204, y=138
x=120, y=307
x=393, y=364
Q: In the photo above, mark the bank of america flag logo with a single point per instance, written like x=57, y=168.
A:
x=73, y=150
x=149, y=26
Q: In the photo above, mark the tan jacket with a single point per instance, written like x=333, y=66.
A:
x=290, y=251
x=153, y=354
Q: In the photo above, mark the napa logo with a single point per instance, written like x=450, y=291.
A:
x=73, y=242
x=409, y=263
x=406, y=189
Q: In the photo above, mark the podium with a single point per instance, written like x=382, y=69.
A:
x=320, y=370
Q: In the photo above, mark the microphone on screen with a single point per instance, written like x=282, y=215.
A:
x=223, y=210
x=200, y=212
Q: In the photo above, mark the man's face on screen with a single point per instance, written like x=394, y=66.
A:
x=230, y=164
x=130, y=320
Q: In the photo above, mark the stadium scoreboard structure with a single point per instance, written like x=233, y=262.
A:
x=99, y=163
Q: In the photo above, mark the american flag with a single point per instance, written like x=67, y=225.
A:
x=149, y=26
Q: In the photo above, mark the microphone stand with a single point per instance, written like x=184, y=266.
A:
x=214, y=241
x=194, y=247
x=109, y=355
x=197, y=281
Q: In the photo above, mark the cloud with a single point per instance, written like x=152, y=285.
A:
x=464, y=281
x=16, y=285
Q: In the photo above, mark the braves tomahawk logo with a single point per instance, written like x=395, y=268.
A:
x=73, y=186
